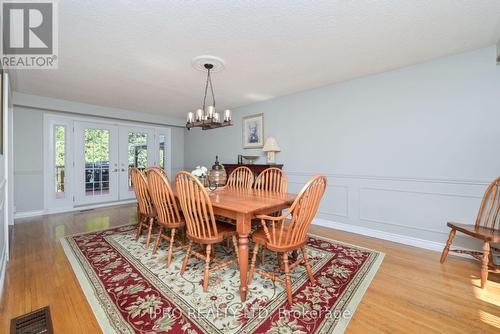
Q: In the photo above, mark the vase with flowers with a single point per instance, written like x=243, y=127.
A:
x=201, y=172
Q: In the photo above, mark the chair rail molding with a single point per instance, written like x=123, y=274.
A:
x=29, y=172
x=393, y=178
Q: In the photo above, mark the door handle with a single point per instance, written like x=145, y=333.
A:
x=115, y=170
x=123, y=169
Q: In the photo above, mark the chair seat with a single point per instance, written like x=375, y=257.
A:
x=178, y=224
x=479, y=232
x=224, y=231
x=259, y=237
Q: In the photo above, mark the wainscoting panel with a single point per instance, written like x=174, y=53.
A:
x=408, y=207
x=335, y=202
x=31, y=196
x=411, y=209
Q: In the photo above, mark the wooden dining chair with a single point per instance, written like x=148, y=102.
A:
x=161, y=170
x=240, y=178
x=485, y=229
x=145, y=211
x=288, y=232
x=167, y=212
x=272, y=179
x=202, y=228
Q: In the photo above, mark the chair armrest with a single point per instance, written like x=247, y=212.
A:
x=266, y=217
x=452, y=223
x=273, y=223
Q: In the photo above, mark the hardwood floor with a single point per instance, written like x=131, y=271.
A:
x=411, y=293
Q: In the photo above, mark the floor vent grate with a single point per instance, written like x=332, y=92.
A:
x=36, y=322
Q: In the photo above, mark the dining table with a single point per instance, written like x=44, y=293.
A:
x=241, y=206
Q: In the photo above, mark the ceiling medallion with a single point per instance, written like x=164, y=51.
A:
x=207, y=117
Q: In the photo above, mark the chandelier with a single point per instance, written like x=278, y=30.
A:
x=207, y=117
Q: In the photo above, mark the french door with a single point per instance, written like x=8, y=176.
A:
x=96, y=163
x=163, y=150
x=136, y=150
x=88, y=162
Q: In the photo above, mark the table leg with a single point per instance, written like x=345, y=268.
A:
x=243, y=225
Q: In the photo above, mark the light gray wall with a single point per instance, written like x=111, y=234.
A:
x=405, y=151
x=28, y=160
x=28, y=141
x=177, y=150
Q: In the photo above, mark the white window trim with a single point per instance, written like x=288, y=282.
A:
x=50, y=202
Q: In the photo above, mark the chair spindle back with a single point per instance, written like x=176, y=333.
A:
x=140, y=186
x=196, y=207
x=272, y=179
x=488, y=214
x=157, y=168
x=240, y=178
x=162, y=197
x=302, y=212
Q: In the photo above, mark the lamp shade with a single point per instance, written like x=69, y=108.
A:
x=271, y=145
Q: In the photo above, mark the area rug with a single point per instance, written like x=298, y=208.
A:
x=132, y=291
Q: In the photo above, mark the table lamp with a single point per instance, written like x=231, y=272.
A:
x=271, y=147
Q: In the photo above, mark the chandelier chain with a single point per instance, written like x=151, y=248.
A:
x=211, y=88
x=207, y=83
x=206, y=89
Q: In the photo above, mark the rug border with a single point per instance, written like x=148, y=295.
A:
x=352, y=306
x=96, y=231
x=344, y=243
x=356, y=298
x=87, y=289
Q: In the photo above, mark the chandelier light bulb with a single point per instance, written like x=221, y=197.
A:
x=210, y=111
x=199, y=115
x=227, y=115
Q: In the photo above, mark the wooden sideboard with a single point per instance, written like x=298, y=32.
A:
x=256, y=169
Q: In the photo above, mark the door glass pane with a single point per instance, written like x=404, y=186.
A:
x=60, y=159
x=137, y=152
x=96, y=162
x=163, y=152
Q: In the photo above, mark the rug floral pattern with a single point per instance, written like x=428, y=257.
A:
x=140, y=295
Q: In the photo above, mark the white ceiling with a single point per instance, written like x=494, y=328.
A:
x=136, y=55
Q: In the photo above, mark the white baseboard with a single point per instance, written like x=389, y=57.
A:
x=37, y=213
x=401, y=239
x=3, y=270
x=28, y=214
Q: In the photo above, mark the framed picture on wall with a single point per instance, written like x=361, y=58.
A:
x=253, y=131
